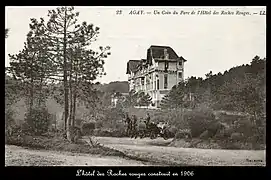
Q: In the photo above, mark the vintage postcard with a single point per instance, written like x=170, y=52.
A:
x=135, y=86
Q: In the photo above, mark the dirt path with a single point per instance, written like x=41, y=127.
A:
x=145, y=148
x=18, y=156
x=151, y=150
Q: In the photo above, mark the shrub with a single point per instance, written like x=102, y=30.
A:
x=184, y=133
x=88, y=128
x=204, y=135
x=120, y=126
x=224, y=134
x=9, y=122
x=229, y=118
x=173, y=129
x=26, y=129
x=214, y=128
x=96, y=132
x=199, y=121
x=99, y=124
x=40, y=120
x=237, y=136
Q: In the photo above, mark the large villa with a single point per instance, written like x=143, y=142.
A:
x=157, y=74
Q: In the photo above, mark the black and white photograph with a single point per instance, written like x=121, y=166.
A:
x=135, y=86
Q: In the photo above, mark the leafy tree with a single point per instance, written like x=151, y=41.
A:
x=40, y=117
x=68, y=49
x=117, y=86
x=12, y=91
x=91, y=98
x=241, y=88
x=28, y=67
x=175, y=98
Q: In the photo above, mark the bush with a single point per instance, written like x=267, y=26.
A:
x=237, y=137
x=214, y=128
x=173, y=129
x=184, y=133
x=39, y=119
x=224, y=134
x=99, y=124
x=204, y=135
x=199, y=121
x=9, y=122
x=120, y=126
x=88, y=128
x=26, y=129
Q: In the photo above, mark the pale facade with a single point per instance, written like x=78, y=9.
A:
x=157, y=74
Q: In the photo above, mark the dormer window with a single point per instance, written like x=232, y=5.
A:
x=166, y=66
x=181, y=63
x=166, y=55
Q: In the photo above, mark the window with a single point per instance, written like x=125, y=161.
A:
x=142, y=81
x=180, y=75
x=165, y=81
x=166, y=55
x=181, y=63
x=157, y=84
x=166, y=66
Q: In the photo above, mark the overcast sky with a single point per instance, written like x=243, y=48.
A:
x=208, y=42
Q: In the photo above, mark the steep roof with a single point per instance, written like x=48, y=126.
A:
x=154, y=52
x=132, y=65
x=157, y=53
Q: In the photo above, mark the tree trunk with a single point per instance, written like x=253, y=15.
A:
x=71, y=102
x=74, y=103
x=182, y=110
x=71, y=114
x=66, y=87
x=74, y=109
x=31, y=104
x=75, y=88
x=71, y=89
x=63, y=118
x=39, y=99
x=68, y=132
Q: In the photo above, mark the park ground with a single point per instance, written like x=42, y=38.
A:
x=139, y=152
